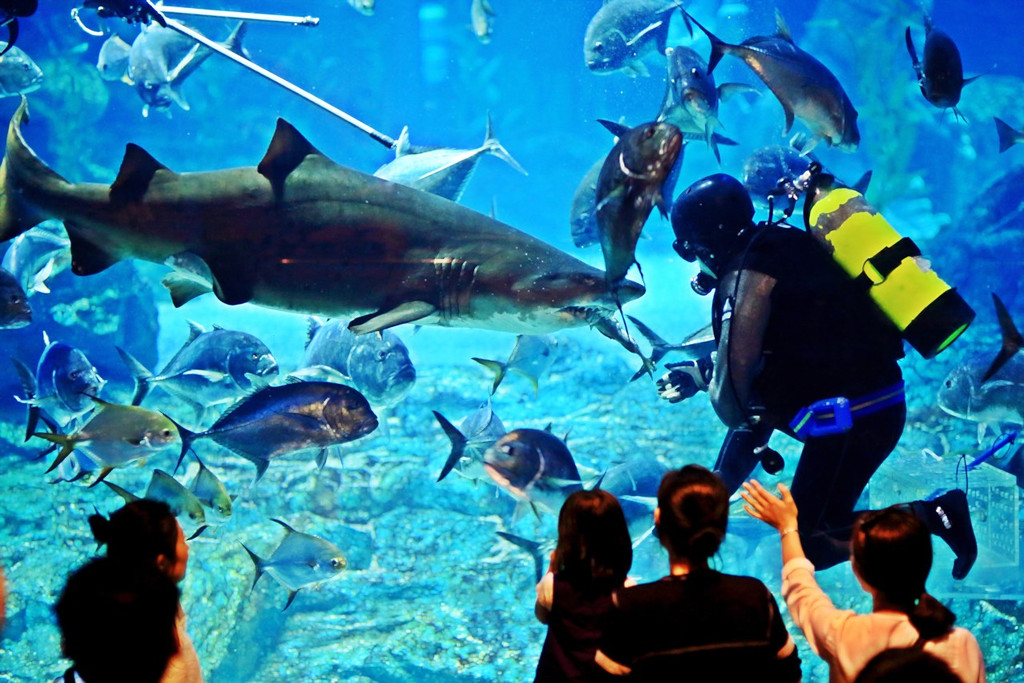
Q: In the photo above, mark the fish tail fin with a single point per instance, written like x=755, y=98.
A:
x=659, y=347
x=495, y=148
x=1008, y=137
x=139, y=373
x=21, y=167
x=62, y=440
x=458, y=440
x=1012, y=340
x=497, y=367
x=718, y=46
x=530, y=546
x=260, y=565
x=234, y=41
x=128, y=496
x=188, y=437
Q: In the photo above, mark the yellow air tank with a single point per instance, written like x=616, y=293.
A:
x=928, y=312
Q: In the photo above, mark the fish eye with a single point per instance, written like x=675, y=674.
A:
x=949, y=384
x=381, y=355
x=598, y=46
x=166, y=433
x=694, y=71
x=75, y=374
x=649, y=133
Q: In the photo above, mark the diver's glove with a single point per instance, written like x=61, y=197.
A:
x=685, y=379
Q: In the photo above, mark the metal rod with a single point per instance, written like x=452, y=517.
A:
x=220, y=49
x=245, y=16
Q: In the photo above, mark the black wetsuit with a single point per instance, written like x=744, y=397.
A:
x=825, y=338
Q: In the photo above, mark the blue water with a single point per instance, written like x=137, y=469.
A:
x=431, y=593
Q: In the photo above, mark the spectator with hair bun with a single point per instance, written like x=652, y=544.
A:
x=696, y=623
x=144, y=533
x=891, y=558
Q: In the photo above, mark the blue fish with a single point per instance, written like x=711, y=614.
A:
x=535, y=467
x=275, y=421
x=804, y=86
x=477, y=432
x=941, y=73
x=15, y=311
x=300, y=560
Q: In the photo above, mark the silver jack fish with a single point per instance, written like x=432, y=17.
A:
x=531, y=357
x=302, y=233
x=804, y=86
x=38, y=255
x=477, y=432
x=275, y=421
x=301, y=560
x=535, y=467
x=623, y=31
x=941, y=73
x=167, y=489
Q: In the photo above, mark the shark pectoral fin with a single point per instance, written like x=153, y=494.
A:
x=232, y=279
x=287, y=149
x=407, y=312
x=86, y=257
x=138, y=167
x=184, y=287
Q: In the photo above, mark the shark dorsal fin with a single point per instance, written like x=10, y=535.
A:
x=287, y=149
x=137, y=170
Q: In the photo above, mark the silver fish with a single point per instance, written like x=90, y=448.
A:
x=114, y=58
x=211, y=492
x=470, y=440
x=442, y=171
x=19, y=75
x=623, y=31
x=213, y=368
x=38, y=255
x=481, y=17
x=167, y=489
x=378, y=365
x=161, y=59
x=531, y=356
x=299, y=561
x=63, y=385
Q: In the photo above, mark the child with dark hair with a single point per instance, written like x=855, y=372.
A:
x=144, y=533
x=906, y=665
x=696, y=623
x=117, y=623
x=592, y=558
x=891, y=557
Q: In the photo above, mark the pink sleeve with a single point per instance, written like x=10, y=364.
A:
x=812, y=611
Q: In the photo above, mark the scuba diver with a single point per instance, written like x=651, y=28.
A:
x=804, y=350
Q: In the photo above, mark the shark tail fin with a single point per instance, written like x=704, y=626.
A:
x=21, y=167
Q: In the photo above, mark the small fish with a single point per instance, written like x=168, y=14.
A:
x=941, y=74
x=531, y=356
x=1008, y=135
x=482, y=18
x=213, y=367
x=19, y=75
x=211, y=492
x=443, y=171
x=470, y=440
x=363, y=6
x=161, y=59
x=275, y=421
x=113, y=59
x=691, y=96
x=116, y=435
x=804, y=86
x=299, y=561
x=376, y=364
x=631, y=183
x=167, y=489
x=623, y=31
x=989, y=392
x=15, y=310
x=38, y=255
x=696, y=345
x=63, y=385
x=535, y=467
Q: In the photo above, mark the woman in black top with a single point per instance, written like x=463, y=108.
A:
x=696, y=623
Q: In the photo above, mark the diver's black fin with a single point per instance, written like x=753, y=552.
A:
x=137, y=170
x=1012, y=340
x=287, y=149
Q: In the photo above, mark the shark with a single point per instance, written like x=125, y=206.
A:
x=300, y=232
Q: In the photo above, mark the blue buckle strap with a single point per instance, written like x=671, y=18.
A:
x=835, y=415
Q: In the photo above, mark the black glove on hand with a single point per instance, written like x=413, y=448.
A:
x=685, y=379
